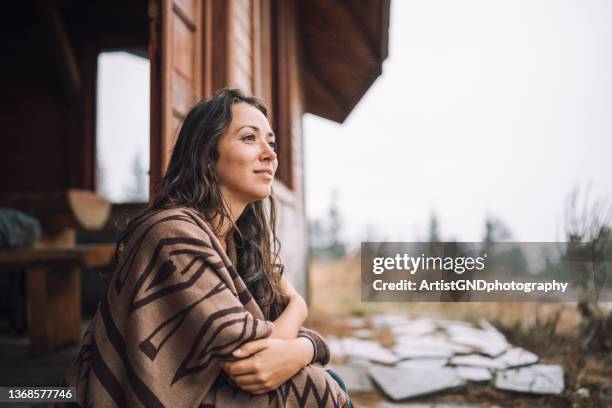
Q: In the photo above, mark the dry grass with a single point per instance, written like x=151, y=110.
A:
x=547, y=329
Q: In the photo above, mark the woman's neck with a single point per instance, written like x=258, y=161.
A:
x=224, y=225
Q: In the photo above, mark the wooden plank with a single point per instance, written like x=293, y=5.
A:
x=256, y=55
x=242, y=79
x=218, y=42
x=242, y=12
x=176, y=123
x=207, y=49
x=86, y=255
x=230, y=44
x=187, y=7
x=183, y=97
x=176, y=75
x=183, y=43
x=266, y=57
x=243, y=38
x=242, y=45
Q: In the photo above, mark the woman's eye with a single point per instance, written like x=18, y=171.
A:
x=249, y=137
x=272, y=145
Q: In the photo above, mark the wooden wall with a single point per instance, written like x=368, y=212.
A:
x=35, y=143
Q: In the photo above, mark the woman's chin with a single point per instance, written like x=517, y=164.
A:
x=261, y=194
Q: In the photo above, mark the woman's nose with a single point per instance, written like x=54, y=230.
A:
x=268, y=152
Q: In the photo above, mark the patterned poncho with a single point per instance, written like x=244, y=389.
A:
x=175, y=307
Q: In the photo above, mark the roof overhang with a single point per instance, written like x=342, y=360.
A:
x=344, y=44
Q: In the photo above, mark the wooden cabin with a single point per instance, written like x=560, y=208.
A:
x=300, y=56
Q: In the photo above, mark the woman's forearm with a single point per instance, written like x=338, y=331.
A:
x=287, y=325
x=307, y=350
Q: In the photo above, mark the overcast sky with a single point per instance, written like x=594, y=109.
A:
x=484, y=108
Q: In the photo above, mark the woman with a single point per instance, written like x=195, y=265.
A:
x=199, y=313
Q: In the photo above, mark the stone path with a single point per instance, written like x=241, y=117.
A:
x=430, y=356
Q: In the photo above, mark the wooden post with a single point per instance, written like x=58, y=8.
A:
x=54, y=307
x=54, y=298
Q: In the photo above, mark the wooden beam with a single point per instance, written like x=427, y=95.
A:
x=285, y=39
x=86, y=255
x=61, y=209
x=61, y=48
x=155, y=116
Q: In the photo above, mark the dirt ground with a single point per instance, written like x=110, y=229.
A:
x=335, y=296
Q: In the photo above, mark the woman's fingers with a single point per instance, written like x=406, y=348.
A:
x=251, y=383
x=245, y=366
x=248, y=380
x=247, y=363
x=255, y=389
x=250, y=348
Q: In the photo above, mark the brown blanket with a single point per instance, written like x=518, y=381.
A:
x=174, y=308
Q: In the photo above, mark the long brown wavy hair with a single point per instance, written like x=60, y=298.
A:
x=191, y=181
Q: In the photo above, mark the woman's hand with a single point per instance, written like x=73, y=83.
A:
x=267, y=363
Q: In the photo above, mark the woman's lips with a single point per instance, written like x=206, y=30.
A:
x=265, y=174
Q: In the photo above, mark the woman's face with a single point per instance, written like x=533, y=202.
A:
x=247, y=161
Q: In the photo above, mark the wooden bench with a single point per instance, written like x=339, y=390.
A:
x=54, y=264
x=54, y=289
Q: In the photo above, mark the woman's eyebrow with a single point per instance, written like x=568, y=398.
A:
x=256, y=129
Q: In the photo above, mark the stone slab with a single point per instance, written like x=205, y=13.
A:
x=369, y=349
x=404, y=351
x=420, y=363
x=417, y=327
x=432, y=341
x=516, y=357
x=402, y=383
x=487, y=341
x=476, y=360
x=476, y=374
x=535, y=379
x=388, y=321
